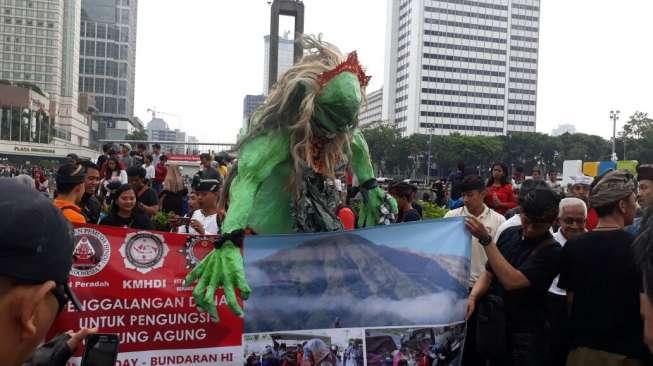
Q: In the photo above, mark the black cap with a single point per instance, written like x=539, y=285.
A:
x=36, y=240
x=645, y=172
x=208, y=185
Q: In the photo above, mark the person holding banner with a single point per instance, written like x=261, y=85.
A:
x=124, y=212
x=205, y=220
x=34, y=268
x=473, y=195
x=512, y=291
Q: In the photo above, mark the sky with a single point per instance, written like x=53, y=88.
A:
x=197, y=61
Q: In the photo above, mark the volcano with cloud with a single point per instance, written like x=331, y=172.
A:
x=346, y=280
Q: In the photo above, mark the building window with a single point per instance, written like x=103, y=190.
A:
x=100, y=49
x=99, y=86
x=122, y=70
x=124, y=16
x=90, y=48
x=124, y=34
x=111, y=87
x=90, y=30
x=465, y=14
x=464, y=48
x=102, y=31
x=462, y=93
x=89, y=66
x=99, y=67
x=88, y=85
x=110, y=105
x=465, y=25
x=470, y=37
x=465, y=59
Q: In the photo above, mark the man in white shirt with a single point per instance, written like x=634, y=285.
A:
x=553, y=181
x=572, y=217
x=473, y=195
x=205, y=220
x=149, y=168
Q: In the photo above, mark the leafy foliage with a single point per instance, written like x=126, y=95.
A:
x=398, y=157
x=161, y=219
x=432, y=211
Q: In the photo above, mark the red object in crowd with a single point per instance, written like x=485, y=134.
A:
x=505, y=194
x=347, y=218
x=592, y=219
x=160, y=172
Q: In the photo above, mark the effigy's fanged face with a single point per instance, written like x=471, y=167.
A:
x=337, y=106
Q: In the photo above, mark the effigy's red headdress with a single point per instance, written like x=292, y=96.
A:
x=352, y=65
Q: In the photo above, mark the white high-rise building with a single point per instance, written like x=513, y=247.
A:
x=370, y=111
x=39, y=44
x=32, y=33
x=286, y=53
x=465, y=66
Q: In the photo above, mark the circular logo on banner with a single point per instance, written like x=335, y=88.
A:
x=91, y=254
x=196, y=248
x=144, y=251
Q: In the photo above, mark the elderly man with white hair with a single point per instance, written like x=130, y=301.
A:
x=572, y=217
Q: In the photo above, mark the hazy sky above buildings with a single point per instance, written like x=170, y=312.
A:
x=199, y=59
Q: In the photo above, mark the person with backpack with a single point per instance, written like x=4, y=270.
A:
x=511, y=294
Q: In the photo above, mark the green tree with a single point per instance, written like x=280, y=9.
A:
x=638, y=126
x=137, y=136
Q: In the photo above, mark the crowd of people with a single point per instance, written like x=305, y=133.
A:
x=316, y=351
x=128, y=188
x=558, y=274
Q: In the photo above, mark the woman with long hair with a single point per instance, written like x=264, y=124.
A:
x=172, y=197
x=41, y=182
x=114, y=176
x=115, y=172
x=500, y=196
x=124, y=212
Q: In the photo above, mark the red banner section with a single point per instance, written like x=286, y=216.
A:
x=174, y=157
x=130, y=283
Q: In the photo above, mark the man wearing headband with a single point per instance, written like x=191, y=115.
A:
x=70, y=190
x=521, y=266
x=602, y=282
x=473, y=194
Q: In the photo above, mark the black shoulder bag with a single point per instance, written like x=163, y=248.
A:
x=491, y=333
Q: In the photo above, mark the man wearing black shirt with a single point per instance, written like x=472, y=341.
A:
x=90, y=205
x=146, y=197
x=403, y=193
x=602, y=281
x=520, y=269
x=643, y=251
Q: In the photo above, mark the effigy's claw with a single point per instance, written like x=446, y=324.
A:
x=196, y=273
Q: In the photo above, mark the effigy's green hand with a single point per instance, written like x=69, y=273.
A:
x=379, y=208
x=224, y=268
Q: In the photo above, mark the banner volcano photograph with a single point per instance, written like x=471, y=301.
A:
x=397, y=275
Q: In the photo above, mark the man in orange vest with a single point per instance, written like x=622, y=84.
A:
x=70, y=190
